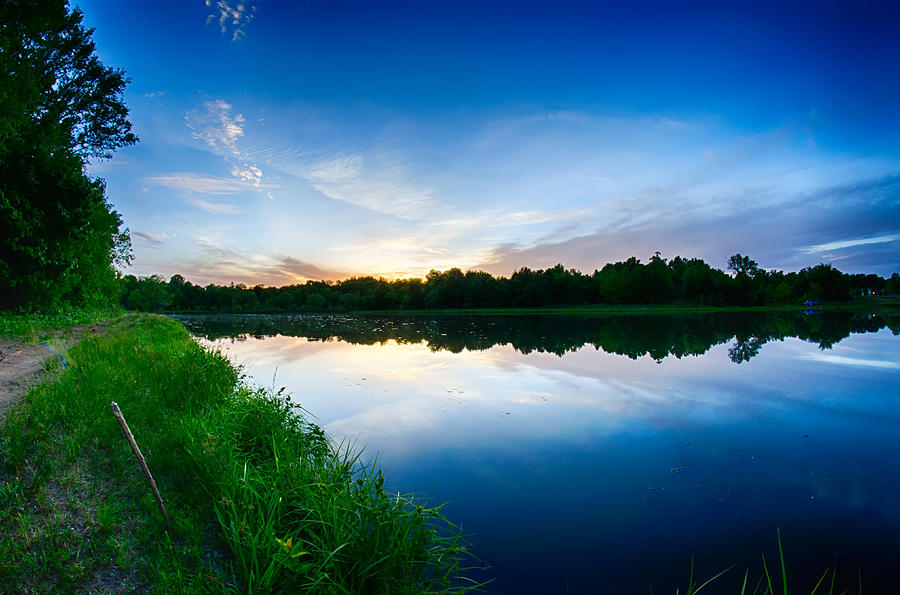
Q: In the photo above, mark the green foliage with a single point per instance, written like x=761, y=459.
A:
x=743, y=265
x=260, y=499
x=59, y=233
x=629, y=282
x=316, y=302
x=60, y=105
x=147, y=294
x=65, y=97
x=892, y=287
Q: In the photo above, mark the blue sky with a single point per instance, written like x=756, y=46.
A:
x=285, y=141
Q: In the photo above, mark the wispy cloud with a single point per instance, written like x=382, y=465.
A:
x=843, y=244
x=220, y=129
x=213, y=251
x=217, y=208
x=385, y=190
x=213, y=262
x=526, y=218
x=190, y=182
x=153, y=238
x=758, y=230
x=536, y=217
x=215, y=125
x=853, y=361
x=294, y=270
x=231, y=15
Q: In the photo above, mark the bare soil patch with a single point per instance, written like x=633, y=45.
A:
x=22, y=364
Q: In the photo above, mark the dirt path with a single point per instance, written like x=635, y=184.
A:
x=22, y=364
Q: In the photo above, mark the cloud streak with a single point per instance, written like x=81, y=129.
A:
x=153, y=238
x=195, y=183
x=844, y=244
x=216, y=208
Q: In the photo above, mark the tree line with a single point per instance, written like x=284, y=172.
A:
x=659, y=281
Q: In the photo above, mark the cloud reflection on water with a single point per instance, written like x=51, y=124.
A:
x=691, y=450
x=402, y=397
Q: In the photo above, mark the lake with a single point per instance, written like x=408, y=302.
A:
x=599, y=454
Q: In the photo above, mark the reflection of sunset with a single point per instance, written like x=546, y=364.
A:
x=397, y=396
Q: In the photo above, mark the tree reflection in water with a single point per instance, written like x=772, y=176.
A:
x=657, y=336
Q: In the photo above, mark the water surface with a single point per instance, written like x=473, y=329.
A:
x=599, y=454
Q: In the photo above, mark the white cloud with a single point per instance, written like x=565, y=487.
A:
x=248, y=173
x=231, y=14
x=386, y=190
x=189, y=182
x=215, y=125
x=881, y=239
x=220, y=129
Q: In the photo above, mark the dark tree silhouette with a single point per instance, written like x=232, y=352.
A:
x=59, y=106
x=742, y=265
x=679, y=281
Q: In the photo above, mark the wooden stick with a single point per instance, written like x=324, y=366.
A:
x=141, y=461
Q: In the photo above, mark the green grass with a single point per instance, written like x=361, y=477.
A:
x=36, y=327
x=259, y=498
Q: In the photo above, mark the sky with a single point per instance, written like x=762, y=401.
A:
x=322, y=139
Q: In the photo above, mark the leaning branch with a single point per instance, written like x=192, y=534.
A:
x=141, y=461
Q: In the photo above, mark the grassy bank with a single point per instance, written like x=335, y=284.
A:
x=38, y=327
x=260, y=500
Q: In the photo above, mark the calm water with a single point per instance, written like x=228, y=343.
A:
x=600, y=454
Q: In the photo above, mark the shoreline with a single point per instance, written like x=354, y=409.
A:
x=880, y=305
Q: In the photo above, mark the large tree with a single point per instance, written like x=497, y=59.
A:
x=59, y=106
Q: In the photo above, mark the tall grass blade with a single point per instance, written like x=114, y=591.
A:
x=712, y=578
x=690, y=589
x=821, y=578
x=783, y=567
x=769, y=589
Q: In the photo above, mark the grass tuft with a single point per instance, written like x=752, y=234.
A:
x=765, y=586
